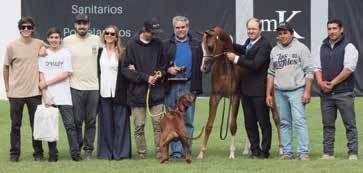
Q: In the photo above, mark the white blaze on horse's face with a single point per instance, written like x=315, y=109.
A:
x=211, y=41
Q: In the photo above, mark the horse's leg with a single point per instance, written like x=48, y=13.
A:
x=276, y=118
x=233, y=128
x=213, y=104
x=247, y=148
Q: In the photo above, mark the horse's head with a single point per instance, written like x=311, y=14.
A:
x=215, y=42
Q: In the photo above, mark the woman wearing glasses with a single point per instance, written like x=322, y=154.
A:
x=114, y=141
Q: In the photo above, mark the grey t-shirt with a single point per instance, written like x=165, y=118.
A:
x=290, y=65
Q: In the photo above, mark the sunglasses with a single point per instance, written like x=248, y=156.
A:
x=28, y=27
x=110, y=33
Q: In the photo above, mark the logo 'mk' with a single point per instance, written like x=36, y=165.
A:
x=271, y=24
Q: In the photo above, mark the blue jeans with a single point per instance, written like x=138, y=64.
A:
x=178, y=89
x=292, y=112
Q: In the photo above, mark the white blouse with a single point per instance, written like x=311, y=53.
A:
x=108, y=76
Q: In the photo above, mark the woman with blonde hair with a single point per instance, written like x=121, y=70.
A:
x=114, y=141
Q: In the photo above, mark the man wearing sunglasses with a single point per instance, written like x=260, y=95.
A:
x=84, y=82
x=21, y=84
x=290, y=73
x=145, y=54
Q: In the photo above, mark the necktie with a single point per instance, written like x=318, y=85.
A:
x=249, y=46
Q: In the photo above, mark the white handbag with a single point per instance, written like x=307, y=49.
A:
x=46, y=123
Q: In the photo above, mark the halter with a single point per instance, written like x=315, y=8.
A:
x=215, y=56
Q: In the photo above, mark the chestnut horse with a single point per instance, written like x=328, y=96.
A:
x=225, y=78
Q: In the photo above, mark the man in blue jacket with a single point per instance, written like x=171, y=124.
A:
x=184, y=56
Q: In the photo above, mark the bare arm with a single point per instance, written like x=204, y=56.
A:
x=59, y=78
x=344, y=74
x=322, y=84
x=307, y=92
x=269, y=98
x=44, y=90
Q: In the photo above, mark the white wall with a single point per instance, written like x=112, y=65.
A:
x=10, y=13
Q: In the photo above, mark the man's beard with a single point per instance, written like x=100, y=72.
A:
x=82, y=32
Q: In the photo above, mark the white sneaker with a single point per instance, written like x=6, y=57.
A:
x=327, y=157
x=353, y=157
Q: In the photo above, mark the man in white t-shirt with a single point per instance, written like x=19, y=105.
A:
x=84, y=82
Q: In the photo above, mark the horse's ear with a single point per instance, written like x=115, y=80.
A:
x=201, y=33
x=225, y=37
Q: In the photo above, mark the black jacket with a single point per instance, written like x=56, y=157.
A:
x=256, y=63
x=121, y=82
x=197, y=56
x=147, y=58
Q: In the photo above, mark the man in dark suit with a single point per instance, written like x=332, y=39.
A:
x=255, y=58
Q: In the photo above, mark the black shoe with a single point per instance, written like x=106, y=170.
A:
x=38, y=158
x=77, y=158
x=265, y=155
x=256, y=155
x=14, y=158
x=52, y=159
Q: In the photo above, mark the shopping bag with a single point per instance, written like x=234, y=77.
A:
x=46, y=123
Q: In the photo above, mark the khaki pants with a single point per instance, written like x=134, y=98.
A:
x=139, y=114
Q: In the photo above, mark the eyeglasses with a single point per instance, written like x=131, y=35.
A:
x=28, y=27
x=110, y=33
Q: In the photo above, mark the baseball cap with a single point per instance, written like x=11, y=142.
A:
x=285, y=26
x=152, y=25
x=81, y=17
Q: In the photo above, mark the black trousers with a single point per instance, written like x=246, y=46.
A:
x=85, y=107
x=16, y=115
x=256, y=113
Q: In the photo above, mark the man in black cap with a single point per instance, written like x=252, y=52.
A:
x=84, y=81
x=144, y=57
x=290, y=74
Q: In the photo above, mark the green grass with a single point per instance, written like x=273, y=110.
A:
x=216, y=158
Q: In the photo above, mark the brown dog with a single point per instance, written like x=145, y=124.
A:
x=173, y=128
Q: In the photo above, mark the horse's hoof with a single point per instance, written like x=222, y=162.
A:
x=200, y=155
x=281, y=151
x=231, y=156
x=246, y=152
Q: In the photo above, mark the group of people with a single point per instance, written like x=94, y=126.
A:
x=85, y=75
x=282, y=76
